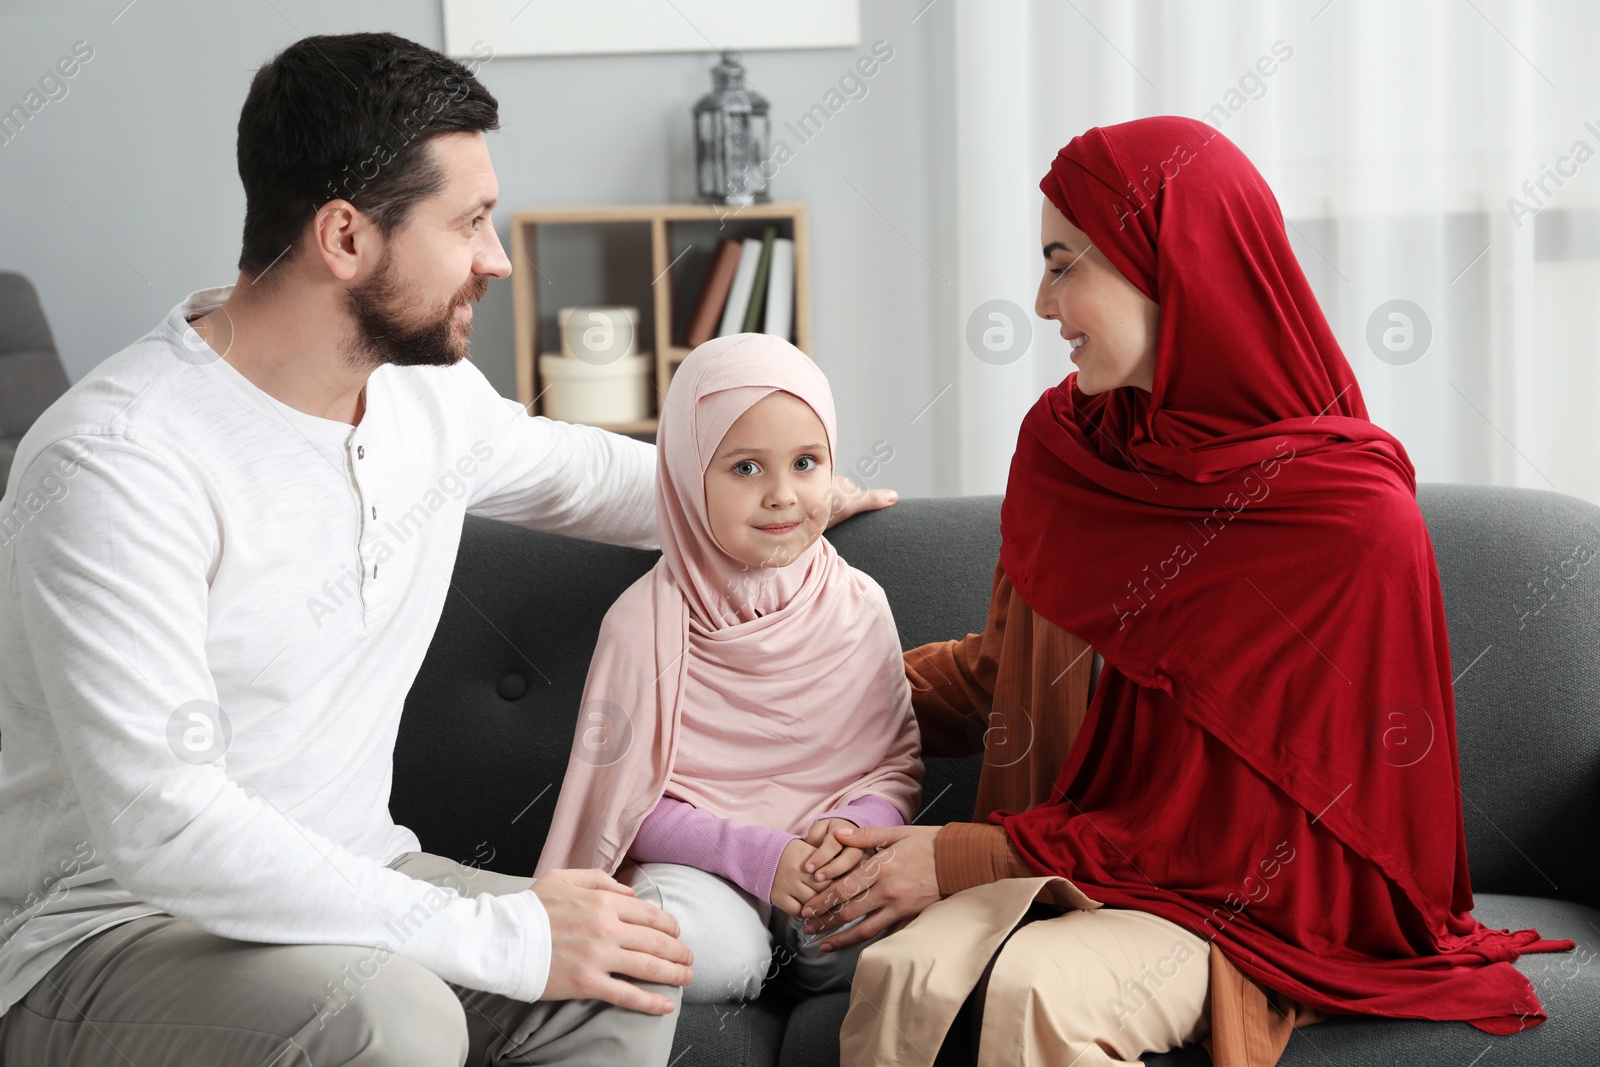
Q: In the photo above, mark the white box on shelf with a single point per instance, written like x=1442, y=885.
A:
x=598, y=334
x=579, y=391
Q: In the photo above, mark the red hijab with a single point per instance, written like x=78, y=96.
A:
x=1269, y=759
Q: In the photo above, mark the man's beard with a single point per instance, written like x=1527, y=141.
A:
x=385, y=333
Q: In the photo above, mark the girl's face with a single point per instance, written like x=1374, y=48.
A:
x=767, y=486
x=1090, y=299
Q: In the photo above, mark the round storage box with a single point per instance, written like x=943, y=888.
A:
x=579, y=391
x=598, y=334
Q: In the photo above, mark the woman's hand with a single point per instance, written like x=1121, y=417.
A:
x=831, y=859
x=792, y=886
x=846, y=498
x=890, y=887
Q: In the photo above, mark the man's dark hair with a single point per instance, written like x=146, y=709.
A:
x=347, y=118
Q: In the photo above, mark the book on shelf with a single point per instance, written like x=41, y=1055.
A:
x=714, y=294
x=758, y=291
x=780, y=290
x=744, y=280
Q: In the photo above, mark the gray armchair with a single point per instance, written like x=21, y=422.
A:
x=31, y=375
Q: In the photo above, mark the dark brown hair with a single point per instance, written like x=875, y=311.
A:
x=347, y=118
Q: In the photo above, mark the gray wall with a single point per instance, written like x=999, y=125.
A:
x=121, y=197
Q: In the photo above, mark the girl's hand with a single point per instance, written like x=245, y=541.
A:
x=891, y=887
x=831, y=858
x=792, y=886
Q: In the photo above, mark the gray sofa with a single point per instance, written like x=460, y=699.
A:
x=484, y=740
x=31, y=375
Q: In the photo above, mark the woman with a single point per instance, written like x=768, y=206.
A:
x=1225, y=840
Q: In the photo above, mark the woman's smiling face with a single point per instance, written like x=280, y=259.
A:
x=1090, y=299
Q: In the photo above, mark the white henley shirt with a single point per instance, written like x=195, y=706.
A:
x=174, y=540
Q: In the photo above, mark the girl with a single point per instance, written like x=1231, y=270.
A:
x=747, y=696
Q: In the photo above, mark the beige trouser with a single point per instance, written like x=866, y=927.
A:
x=1090, y=987
x=160, y=991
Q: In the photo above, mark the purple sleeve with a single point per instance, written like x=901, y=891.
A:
x=867, y=810
x=676, y=832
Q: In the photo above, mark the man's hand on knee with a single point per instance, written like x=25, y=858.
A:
x=597, y=931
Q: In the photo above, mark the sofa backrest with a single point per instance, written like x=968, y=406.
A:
x=1523, y=610
x=488, y=724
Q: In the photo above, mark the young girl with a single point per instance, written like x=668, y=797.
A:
x=748, y=694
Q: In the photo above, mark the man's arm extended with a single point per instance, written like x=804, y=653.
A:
x=576, y=480
x=583, y=481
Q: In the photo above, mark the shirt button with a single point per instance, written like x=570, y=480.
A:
x=361, y=451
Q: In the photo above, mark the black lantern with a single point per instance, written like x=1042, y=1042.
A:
x=732, y=132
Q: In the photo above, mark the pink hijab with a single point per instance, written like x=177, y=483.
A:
x=766, y=695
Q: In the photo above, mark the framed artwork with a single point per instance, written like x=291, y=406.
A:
x=503, y=28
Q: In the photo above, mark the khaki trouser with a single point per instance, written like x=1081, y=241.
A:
x=1091, y=986
x=160, y=991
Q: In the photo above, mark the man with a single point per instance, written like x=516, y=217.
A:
x=225, y=553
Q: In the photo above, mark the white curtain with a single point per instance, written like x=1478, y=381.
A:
x=1443, y=153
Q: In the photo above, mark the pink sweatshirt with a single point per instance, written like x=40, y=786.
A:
x=747, y=856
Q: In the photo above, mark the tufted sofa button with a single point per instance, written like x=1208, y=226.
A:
x=512, y=686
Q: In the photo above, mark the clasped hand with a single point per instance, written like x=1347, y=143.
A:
x=886, y=892
x=810, y=864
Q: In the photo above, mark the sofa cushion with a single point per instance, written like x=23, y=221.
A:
x=488, y=723
x=812, y=1038
x=1567, y=983
x=731, y=1035
x=938, y=588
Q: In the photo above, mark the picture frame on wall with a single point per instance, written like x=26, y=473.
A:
x=605, y=27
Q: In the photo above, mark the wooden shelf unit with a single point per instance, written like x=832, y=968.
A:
x=663, y=270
